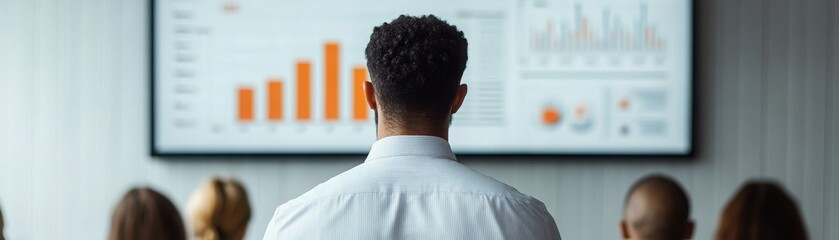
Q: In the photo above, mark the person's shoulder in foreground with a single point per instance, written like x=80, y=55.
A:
x=411, y=186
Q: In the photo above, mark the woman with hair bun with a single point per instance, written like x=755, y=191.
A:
x=219, y=210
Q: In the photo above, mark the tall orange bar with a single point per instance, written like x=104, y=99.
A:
x=359, y=100
x=275, y=100
x=245, y=96
x=332, y=60
x=304, y=91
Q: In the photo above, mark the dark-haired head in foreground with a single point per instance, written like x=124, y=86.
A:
x=657, y=208
x=2, y=225
x=761, y=210
x=145, y=214
x=415, y=65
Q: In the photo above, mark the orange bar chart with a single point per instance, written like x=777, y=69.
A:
x=245, y=96
x=275, y=100
x=304, y=91
x=275, y=92
x=359, y=100
x=332, y=50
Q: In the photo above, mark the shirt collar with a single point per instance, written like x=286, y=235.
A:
x=411, y=145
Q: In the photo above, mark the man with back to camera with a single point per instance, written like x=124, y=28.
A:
x=657, y=208
x=411, y=185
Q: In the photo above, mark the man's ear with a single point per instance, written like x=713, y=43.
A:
x=459, y=96
x=624, y=229
x=689, y=230
x=370, y=94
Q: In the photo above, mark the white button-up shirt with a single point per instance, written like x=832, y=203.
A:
x=412, y=187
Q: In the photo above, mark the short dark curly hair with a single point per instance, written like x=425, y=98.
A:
x=416, y=64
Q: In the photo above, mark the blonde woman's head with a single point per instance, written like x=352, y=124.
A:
x=219, y=210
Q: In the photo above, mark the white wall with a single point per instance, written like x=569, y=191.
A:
x=74, y=124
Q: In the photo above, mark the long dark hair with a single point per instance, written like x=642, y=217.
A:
x=761, y=210
x=145, y=214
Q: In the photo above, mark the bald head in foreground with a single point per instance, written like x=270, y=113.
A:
x=657, y=208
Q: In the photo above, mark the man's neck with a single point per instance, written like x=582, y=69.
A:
x=385, y=130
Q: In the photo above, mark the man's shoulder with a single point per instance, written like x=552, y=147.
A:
x=396, y=191
x=402, y=176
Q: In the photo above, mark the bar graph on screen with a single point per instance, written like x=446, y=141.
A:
x=275, y=92
x=612, y=34
x=574, y=34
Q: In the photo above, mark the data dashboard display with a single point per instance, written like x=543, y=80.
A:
x=544, y=76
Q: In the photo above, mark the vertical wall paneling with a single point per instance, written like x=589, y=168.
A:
x=5, y=85
x=725, y=110
x=566, y=213
x=21, y=64
x=703, y=184
x=794, y=89
x=596, y=198
x=44, y=95
x=5, y=99
x=750, y=77
x=775, y=98
x=833, y=125
x=611, y=211
x=815, y=74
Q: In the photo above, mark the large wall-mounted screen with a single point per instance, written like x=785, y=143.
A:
x=544, y=76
